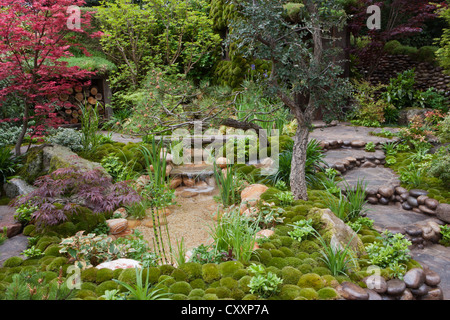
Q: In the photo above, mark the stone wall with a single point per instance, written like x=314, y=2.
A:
x=427, y=75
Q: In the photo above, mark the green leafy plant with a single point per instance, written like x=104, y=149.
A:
x=24, y=213
x=268, y=216
x=370, y=147
x=118, y=170
x=286, y=198
x=90, y=139
x=445, y=232
x=8, y=164
x=66, y=137
x=360, y=222
x=400, y=91
x=440, y=165
x=91, y=249
x=356, y=198
x=206, y=254
x=3, y=235
x=32, y=252
x=229, y=185
x=32, y=285
x=138, y=249
x=337, y=204
x=389, y=148
x=391, y=249
x=412, y=175
x=302, y=229
x=338, y=259
x=143, y=289
x=368, y=111
x=263, y=283
x=314, y=164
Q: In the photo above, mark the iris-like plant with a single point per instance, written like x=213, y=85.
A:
x=236, y=233
x=143, y=289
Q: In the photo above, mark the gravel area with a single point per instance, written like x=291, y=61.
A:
x=190, y=220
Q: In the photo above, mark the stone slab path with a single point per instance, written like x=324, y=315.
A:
x=346, y=132
x=374, y=177
x=391, y=217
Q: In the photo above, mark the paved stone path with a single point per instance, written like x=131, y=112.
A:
x=436, y=257
x=347, y=132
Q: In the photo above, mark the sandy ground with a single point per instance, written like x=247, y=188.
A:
x=190, y=221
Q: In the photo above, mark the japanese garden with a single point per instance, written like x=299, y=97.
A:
x=224, y=150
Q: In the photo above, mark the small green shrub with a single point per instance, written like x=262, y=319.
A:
x=391, y=252
x=263, y=283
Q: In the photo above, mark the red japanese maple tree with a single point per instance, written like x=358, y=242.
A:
x=34, y=36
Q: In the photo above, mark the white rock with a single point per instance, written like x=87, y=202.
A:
x=119, y=264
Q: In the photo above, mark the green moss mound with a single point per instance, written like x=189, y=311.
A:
x=181, y=287
x=12, y=262
x=311, y=280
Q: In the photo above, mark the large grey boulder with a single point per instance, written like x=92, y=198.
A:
x=17, y=187
x=341, y=236
x=47, y=158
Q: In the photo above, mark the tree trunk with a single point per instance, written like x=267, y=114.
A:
x=24, y=130
x=298, y=180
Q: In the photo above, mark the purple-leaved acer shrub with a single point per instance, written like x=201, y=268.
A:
x=71, y=187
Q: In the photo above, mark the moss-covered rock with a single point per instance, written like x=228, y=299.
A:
x=179, y=296
x=152, y=274
x=277, y=253
x=229, y=282
x=290, y=275
x=277, y=262
x=223, y=292
x=244, y=282
x=289, y=291
x=210, y=296
x=104, y=274
x=293, y=261
x=321, y=271
x=104, y=286
x=28, y=230
x=89, y=274
x=12, y=262
x=53, y=250
x=46, y=241
x=240, y=273
x=166, y=269
x=180, y=287
x=84, y=294
x=198, y=284
x=261, y=254
x=166, y=280
x=228, y=268
x=179, y=275
x=210, y=272
x=56, y=264
x=193, y=270
x=88, y=286
x=327, y=293
x=311, y=280
x=196, y=293
x=309, y=293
